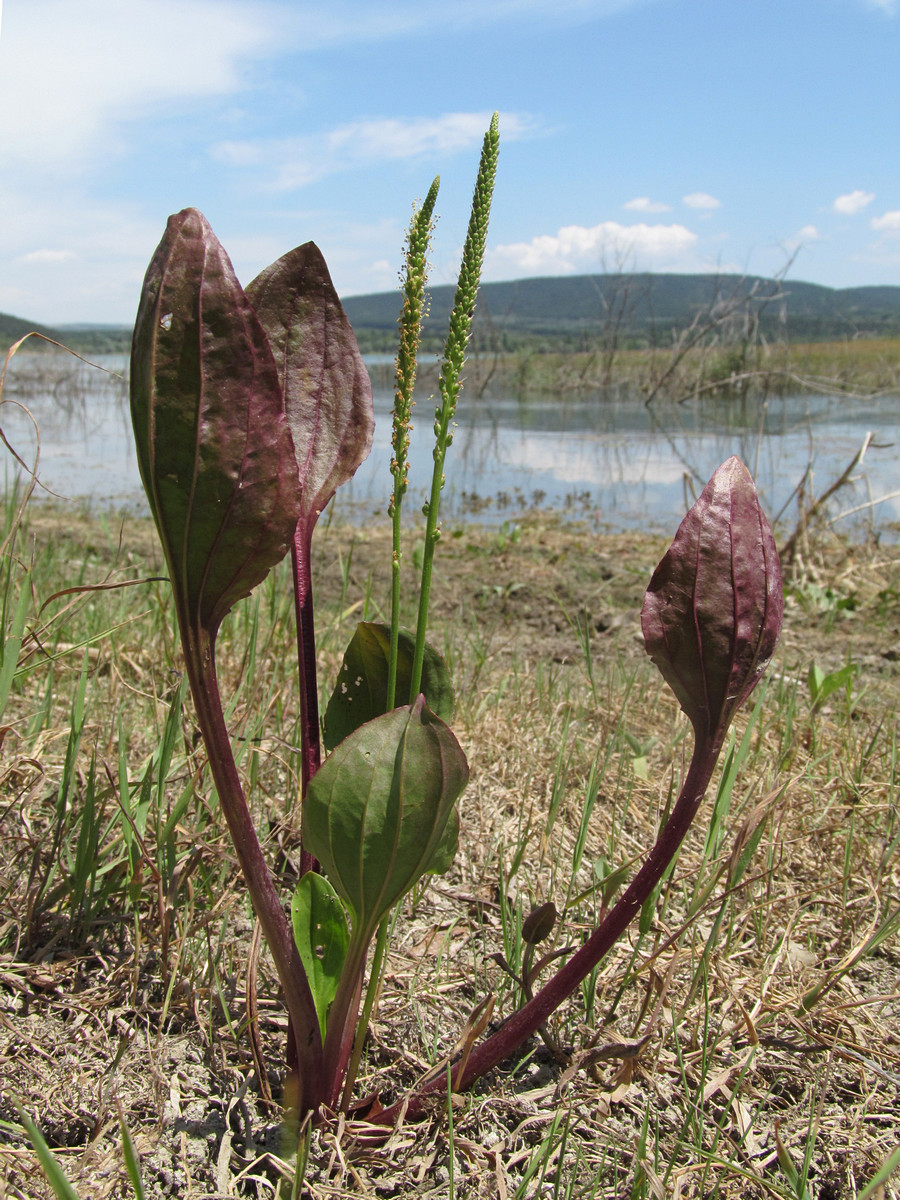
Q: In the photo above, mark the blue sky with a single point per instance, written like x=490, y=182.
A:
x=668, y=135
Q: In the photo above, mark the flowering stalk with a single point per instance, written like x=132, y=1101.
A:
x=407, y=356
x=451, y=369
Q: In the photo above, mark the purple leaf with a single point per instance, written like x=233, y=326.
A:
x=218, y=465
x=328, y=402
x=214, y=446
x=712, y=613
x=327, y=392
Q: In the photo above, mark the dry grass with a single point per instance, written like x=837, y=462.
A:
x=702, y=1040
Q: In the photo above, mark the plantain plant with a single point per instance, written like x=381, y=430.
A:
x=250, y=408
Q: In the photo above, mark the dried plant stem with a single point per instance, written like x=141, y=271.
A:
x=789, y=549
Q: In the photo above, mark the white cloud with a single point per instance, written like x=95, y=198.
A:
x=348, y=21
x=645, y=204
x=48, y=256
x=888, y=223
x=71, y=74
x=111, y=245
x=887, y=6
x=93, y=269
x=701, y=200
x=803, y=237
x=75, y=81
x=237, y=154
x=853, y=202
x=292, y=163
x=576, y=248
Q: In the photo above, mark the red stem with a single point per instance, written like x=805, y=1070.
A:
x=199, y=649
x=310, y=745
x=522, y=1024
x=342, y=1018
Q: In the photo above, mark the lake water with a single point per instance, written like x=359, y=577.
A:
x=615, y=465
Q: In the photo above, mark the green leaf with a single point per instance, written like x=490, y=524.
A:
x=442, y=859
x=609, y=878
x=376, y=812
x=815, y=678
x=822, y=685
x=361, y=691
x=322, y=937
x=794, y=1177
x=213, y=444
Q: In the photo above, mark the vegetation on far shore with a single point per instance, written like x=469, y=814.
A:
x=86, y=340
x=860, y=368
x=668, y=335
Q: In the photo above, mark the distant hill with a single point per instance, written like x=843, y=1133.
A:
x=568, y=311
x=96, y=339
x=575, y=311
x=13, y=328
x=83, y=339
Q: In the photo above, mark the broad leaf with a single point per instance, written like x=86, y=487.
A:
x=322, y=937
x=213, y=444
x=822, y=685
x=376, y=812
x=713, y=610
x=445, y=853
x=361, y=690
x=327, y=391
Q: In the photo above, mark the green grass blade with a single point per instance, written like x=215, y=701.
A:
x=132, y=1162
x=56, y=1177
x=882, y=1175
x=12, y=642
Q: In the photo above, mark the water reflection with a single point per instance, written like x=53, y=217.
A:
x=614, y=463
x=82, y=414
